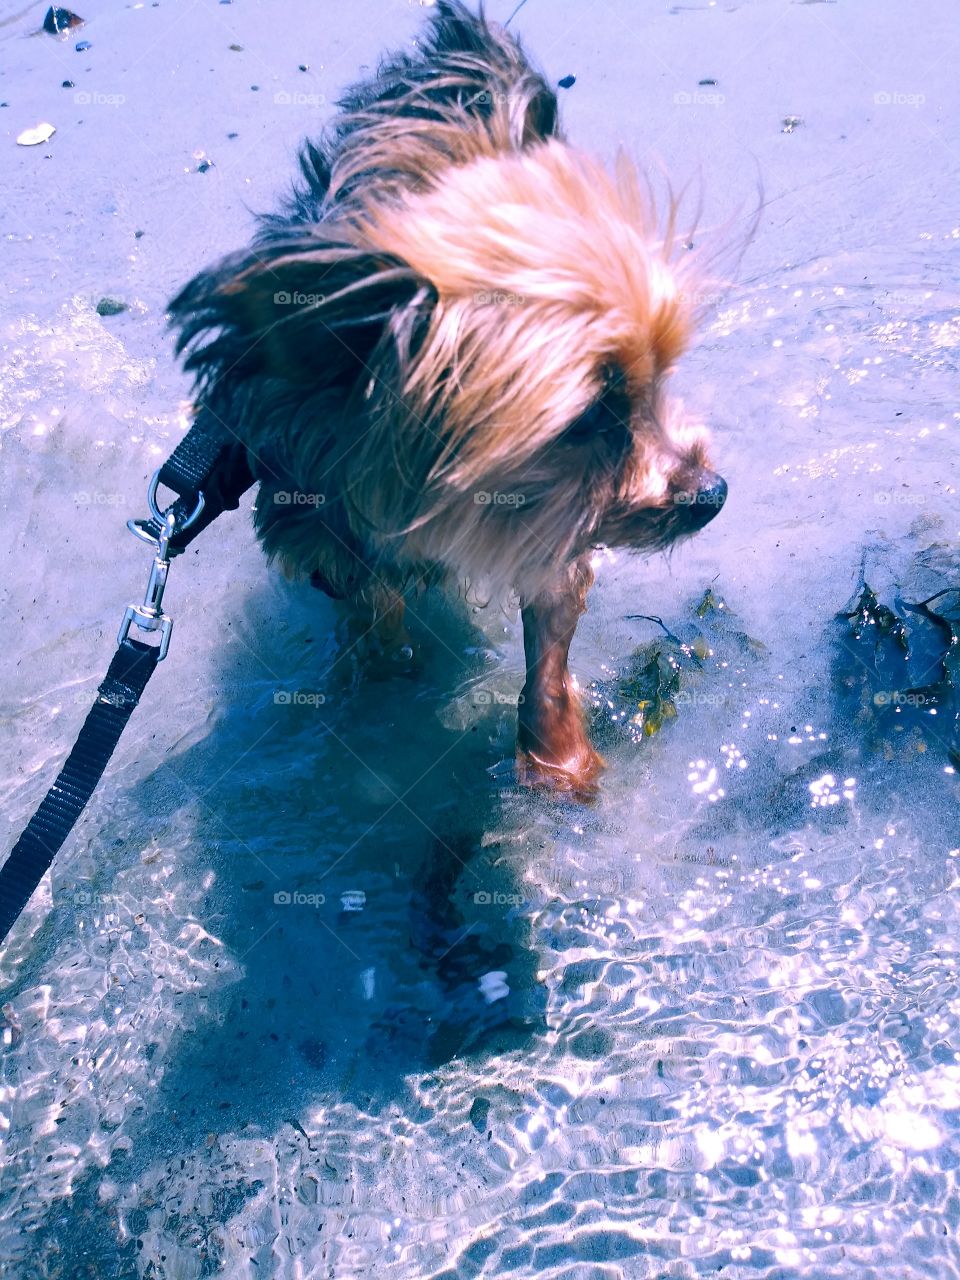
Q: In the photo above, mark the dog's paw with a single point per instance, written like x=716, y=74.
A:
x=575, y=777
x=370, y=652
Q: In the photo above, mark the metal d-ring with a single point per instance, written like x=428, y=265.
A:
x=141, y=528
x=159, y=515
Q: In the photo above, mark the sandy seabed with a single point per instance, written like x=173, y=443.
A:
x=295, y=1002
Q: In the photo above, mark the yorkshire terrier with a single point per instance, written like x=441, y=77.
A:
x=447, y=355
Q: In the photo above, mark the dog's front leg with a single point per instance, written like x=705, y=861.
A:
x=553, y=748
x=374, y=632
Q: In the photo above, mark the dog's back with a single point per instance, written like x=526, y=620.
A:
x=469, y=91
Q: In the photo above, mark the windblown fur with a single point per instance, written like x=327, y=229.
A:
x=447, y=351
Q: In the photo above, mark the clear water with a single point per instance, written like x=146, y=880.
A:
x=707, y=1027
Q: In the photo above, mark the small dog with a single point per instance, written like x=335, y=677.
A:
x=447, y=354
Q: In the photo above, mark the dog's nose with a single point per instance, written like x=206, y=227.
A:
x=703, y=502
x=712, y=494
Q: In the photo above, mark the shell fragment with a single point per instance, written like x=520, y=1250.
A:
x=39, y=133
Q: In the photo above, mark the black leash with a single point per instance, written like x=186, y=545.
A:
x=209, y=472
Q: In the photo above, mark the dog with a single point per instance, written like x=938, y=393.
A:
x=446, y=355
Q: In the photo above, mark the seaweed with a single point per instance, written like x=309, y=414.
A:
x=674, y=670
x=905, y=672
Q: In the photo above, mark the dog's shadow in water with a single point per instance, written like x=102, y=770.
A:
x=339, y=824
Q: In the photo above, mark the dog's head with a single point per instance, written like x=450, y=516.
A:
x=504, y=338
x=559, y=315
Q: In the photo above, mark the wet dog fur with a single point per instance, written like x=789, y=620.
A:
x=447, y=355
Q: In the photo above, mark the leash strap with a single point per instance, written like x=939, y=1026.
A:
x=209, y=473
x=206, y=462
x=132, y=666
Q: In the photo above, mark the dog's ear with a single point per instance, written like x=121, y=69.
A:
x=306, y=310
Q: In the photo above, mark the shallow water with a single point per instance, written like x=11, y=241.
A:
x=312, y=991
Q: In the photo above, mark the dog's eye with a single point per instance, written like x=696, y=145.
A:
x=607, y=419
x=614, y=381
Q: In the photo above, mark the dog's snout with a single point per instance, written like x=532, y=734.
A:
x=702, y=501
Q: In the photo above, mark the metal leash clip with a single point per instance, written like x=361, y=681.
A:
x=149, y=616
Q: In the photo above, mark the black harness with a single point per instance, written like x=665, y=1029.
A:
x=209, y=473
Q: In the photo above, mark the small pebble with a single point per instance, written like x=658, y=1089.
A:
x=59, y=20
x=137, y=235
x=82, y=46
x=68, y=84
x=479, y=1114
x=110, y=307
x=204, y=165
x=790, y=123
x=706, y=82
x=303, y=67
x=567, y=82
x=236, y=48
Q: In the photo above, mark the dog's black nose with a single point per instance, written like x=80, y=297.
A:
x=701, y=504
x=712, y=495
